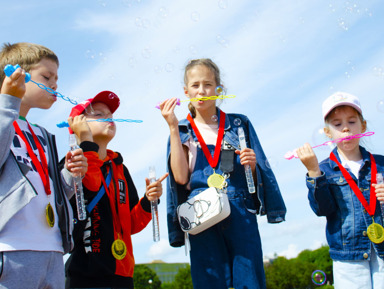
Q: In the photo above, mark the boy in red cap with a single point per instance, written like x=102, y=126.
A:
x=103, y=255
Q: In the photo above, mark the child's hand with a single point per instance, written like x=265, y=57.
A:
x=76, y=162
x=80, y=127
x=14, y=84
x=309, y=160
x=167, y=108
x=379, y=189
x=154, y=190
x=247, y=157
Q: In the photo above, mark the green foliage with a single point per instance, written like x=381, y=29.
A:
x=297, y=272
x=183, y=279
x=144, y=278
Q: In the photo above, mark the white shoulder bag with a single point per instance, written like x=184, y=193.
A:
x=203, y=210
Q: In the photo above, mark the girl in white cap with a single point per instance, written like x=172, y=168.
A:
x=344, y=189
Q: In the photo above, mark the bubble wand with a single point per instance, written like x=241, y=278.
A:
x=9, y=69
x=293, y=154
x=65, y=124
x=219, y=91
x=379, y=180
x=78, y=184
x=248, y=170
x=154, y=208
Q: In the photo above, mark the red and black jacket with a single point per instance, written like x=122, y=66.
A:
x=91, y=263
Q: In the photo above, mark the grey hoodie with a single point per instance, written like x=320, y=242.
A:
x=15, y=189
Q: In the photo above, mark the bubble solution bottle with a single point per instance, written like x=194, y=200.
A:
x=154, y=208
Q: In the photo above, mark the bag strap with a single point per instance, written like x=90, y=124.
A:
x=100, y=193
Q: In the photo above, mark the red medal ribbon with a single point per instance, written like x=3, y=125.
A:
x=113, y=203
x=41, y=167
x=371, y=207
x=215, y=159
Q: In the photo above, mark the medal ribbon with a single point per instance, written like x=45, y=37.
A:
x=215, y=159
x=42, y=167
x=371, y=207
x=113, y=203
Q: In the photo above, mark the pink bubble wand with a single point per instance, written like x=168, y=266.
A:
x=293, y=154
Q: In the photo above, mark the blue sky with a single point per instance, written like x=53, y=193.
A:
x=280, y=58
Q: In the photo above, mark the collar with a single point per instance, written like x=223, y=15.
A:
x=364, y=153
x=114, y=156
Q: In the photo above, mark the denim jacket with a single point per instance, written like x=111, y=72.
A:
x=268, y=193
x=347, y=220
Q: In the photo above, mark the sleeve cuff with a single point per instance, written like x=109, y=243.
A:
x=88, y=146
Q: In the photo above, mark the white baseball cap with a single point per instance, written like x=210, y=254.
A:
x=338, y=99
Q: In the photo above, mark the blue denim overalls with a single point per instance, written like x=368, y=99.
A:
x=228, y=254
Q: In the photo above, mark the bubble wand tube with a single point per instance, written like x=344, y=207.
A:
x=154, y=208
x=248, y=170
x=81, y=212
x=379, y=180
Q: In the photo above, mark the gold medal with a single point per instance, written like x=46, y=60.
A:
x=216, y=180
x=375, y=233
x=50, y=215
x=119, y=249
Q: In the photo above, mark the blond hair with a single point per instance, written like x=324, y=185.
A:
x=25, y=54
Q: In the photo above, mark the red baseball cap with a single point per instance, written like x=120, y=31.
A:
x=107, y=97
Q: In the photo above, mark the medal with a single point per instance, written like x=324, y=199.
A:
x=41, y=167
x=50, y=215
x=119, y=249
x=214, y=180
x=375, y=232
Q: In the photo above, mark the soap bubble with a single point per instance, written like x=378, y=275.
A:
x=222, y=40
x=132, y=61
x=163, y=13
x=214, y=118
x=271, y=163
x=75, y=221
x=319, y=277
x=90, y=54
x=378, y=71
x=343, y=24
x=169, y=67
x=380, y=106
x=219, y=90
x=223, y=4
x=195, y=16
x=193, y=49
x=146, y=52
x=319, y=137
x=237, y=121
x=158, y=69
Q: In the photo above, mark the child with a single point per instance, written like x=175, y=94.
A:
x=342, y=188
x=103, y=254
x=36, y=218
x=229, y=253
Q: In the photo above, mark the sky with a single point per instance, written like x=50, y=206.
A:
x=280, y=58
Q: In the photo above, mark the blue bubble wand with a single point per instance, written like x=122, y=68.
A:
x=65, y=124
x=9, y=69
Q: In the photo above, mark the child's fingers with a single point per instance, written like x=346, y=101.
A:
x=163, y=177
